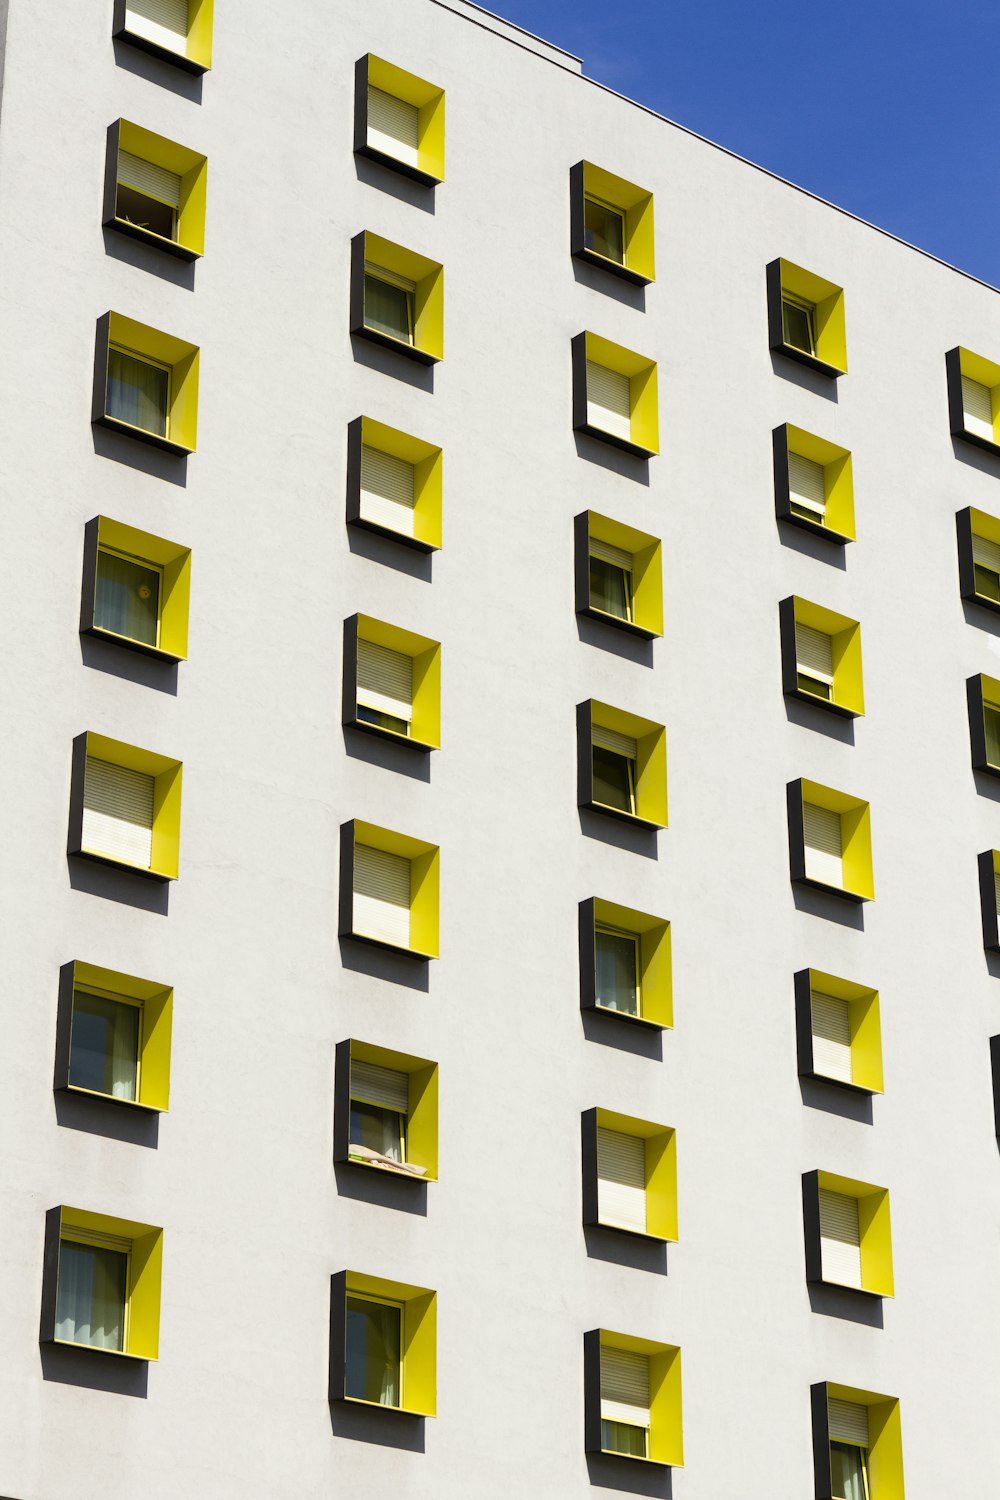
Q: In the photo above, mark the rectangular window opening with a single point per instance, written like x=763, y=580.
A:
x=986, y=561
x=849, y=1447
x=148, y=195
x=382, y=895
x=611, y=579
x=374, y=1342
x=393, y=126
x=831, y=1033
x=105, y=1041
x=604, y=229
x=624, y=1402
x=806, y=488
x=614, y=769
x=138, y=391
x=616, y=957
x=798, y=323
x=165, y=22
x=840, y=1238
x=379, y=1105
x=621, y=1180
x=824, y=852
x=389, y=303
x=814, y=661
x=92, y=1293
x=387, y=490
x=385, y=687
x=609, y=400
x=127, y=597
x=118, y=812
x=977, y=406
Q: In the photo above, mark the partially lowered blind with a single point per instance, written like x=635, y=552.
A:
x=377, y=1085
x=610, y=739
x=387, y=490
x=385, y=679
x=996, y=892
x=146, y=177
x=814, y=652
x=986, y=553
x=831, y=1034
x=848, y=1421
x=806, y=483
x=977, y=406
x=607, y=553
x=840, y=1238
x=393, y=126
x=608, y=400
x=621, y=1179
x=822, y=837
x=118, y=812
x=624, y=1386
x=163, y=21
x=382, y=895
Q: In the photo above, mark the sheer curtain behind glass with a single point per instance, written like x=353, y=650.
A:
x=137, y=392
x=104, y=1046
x=388, y=309
x=127, y=598
x=90, y=1303
x=616, y=972
x=373, y=1351
x=848, y=1468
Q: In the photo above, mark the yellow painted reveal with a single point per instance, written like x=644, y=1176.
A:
x=636, y=205
x=422, y=1101
x=975, y=367
x=643, y=389
x=656, y=997
x=425, y=899
x=647, y=567
x=419, y=1353
x=838, y=477
x=428, y=476
x=885, y=1454
x=845, y=634
x=175, y=562
x=428, y=100
x=864, y=1020
x=855, y=832
x=166, y=799
x=666, y=1433
x=190, y=167
x=182, y=360
x=142, y=1340
x=876, y=1230
x=428, y=296
x=156, y=1002
x=660, y=1143
x=651, y=759
x=426, y=656
x=828, y=301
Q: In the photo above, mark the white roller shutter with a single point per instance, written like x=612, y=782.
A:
x=382, y=895
x=393, y=126
x=823, y=847
x=848, y=1421
x=977, y=407
x=118, y=812
x=610, y=739
x=624, y=1386
x=387, y=490
x=986, y=553
x=840, y=1238
x=621, y=1179
x=378, y=1085
x=385, y=679
x=831, y=1034
x=146, y=177
x=609, y=403
x=996, y=891
x=814, y=652
x=607, y=553
x=807, y=484
x=162, y=21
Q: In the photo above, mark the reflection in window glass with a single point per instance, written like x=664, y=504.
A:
x=127, y=598
x=617, y=970
x=104, y=1046
x=604, y=230
x=90, y=1301
x=388, y=308
x=374, y=1338
x=137, y=392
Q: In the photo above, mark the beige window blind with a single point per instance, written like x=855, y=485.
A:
x=621, y=1179
x=610, y=739
x=840, y=1238
x=382, y=895
x=831, y=1033
x=986, y=553
x=162, y=21
x=146, y=177
x=977, y=406
x=118, y=812
x=848, y=1421
x=385, y=679
x=624, y=1386
x=387, y=490
x=608, y=400
x=807, y=484
x=393, y=126
x=607, y=553
x=378, y=1085
x=814, y=652
x=823, y=848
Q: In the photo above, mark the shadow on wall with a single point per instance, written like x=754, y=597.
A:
x=610, y=285
x=597, y=452
x=629, y=1478
x=810, y=716
x=148, y=258
x=810, y=380
x=116, y=1122
x=389, y=554
x=816, y=1094
x=363, y=958
x=372, y=1424
x=850, y=1306
x=136, y=454
x=364, y=1185
x=625, y=1249
x=976, y=458
x=132, y=60
x=620, y=835
x=609, y=638
x=118, y=885
x=800, y=540
x=388, y=757
x=94, y=1371
x=374, y=174
x=833, y=908
x=612, y=1031
x=388, y=362
x=130, y=666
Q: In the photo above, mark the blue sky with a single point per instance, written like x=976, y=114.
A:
x=889, y=108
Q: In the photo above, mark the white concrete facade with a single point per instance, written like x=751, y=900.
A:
x=241, y=1177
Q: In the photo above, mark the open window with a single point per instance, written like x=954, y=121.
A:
x=397, y=298
x=615, y=395
x=989, y=896
x=805, y=318
x=857, y=1444
x=399, y=119
x=101, y=1283
x=155, y=190
x=974, y=398
x=383, y=1344
x=848, y=1233
x=178, y=31
x=983, y=696
x=821, y=657
x=389, y=889
x=386, y=1115
x=829, y=835
x=136, y=589
x=632, y=1398
x=625, y=963
x=146, y=384
x=813, y=484
x=621, y=764
x=392, y=682
x=113, y=1036
x=611, y=223
x=629, y=1174
x=125, y=807
x=979, y=557
x=839, y=1031
x=619, y=577
x=394, y=484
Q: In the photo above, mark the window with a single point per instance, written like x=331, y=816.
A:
x=821, y=657
x=857, y=1443
x=113, y=1036
x=618, y=574
x=622, y=764
x=136, y=589
x=155, y=190
x=383, y=1343
x=830, y=840
x=615, y=395
x=629, y=1174
x=974, y=398
x=399, y=120
x=125, y=806
x=805, y=317
x=625, y=963
x=848, y=1233
x=389, y=889
x=632, y=1398
x=839, y=1031
x=397, y=298
x=989, y=894
x=101, y=1283
x=392, y=682
x=146, y=384
x=178, y=31
x=983, y=695
x=979, y=557
x=386, y=1113
x=813, y=484
x=394, y=484
x=611, y=223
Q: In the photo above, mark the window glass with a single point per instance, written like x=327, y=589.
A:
x=127, y=599
x=614, y=779
x=373, y=1351
x=987, y=582
x=604, y=230
x=90, y=1301
x=622, y=1437
x=797, y=325
x=104, y=1046
x=138, y=392
x=610, y=588
x=617, y=966
x=849, y=1471
x=145, y=212
x=379, y=1129
x=991, y=716
x=388, y=308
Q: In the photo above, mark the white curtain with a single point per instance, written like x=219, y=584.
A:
x=848, y=1472
x=137, y=392
x=373, y=1351
x=127, y=598
x=90, y=1303
x=104, y=1046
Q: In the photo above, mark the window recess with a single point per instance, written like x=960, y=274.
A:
x=136, y=589
x=805, y=315
x=839, y=1031
x=629, y=1175
x=101, y=1283
x=392, y=682
x=848, y=1233
x=979, y=557
x=389, y=890
x=813, y=484
x=125, y=807
x=394, y=484
x=632, y=1398
x=830, y=840
x=113, y=1036
x=622, y=764
x=177, y=31
x=857, y=1443
x=611, y=223
x=397, y=298
x=155, y=190
x=383, y=1343
x=989, y=896
x=983, y=696
x=386, y=1111
x=146, y=384
x=625, y=963
x=974, y=398
x=821, y=657
x=619, y=576
x=399, y=120
x=615, y=395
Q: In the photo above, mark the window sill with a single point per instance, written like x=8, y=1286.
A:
x=130, y=645
x=399, y=1411
x=833, y=890
x=143, y=1359
x=842, y=1083
x=984, y=601
x=625, y=1015
x=617, y=623
x=387, y=947
x=613, y=267
x=388, y=341
x=150, y=237
x=979, y=442
x=859, y=1291
x=166, y=54
x=633, y=1458
x=72, y=1088
x=378, y=1166
x=398, y=536
x=811, y=360
x=143, y=435
x=626, y=444
x=144, y=871
x=828, y=704
x=635, y=1234
x=386, y=159
x=839, y=538
x=635, y=819
x=380, y=732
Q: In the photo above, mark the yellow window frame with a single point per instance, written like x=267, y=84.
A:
x=847, y=696
x=634, y=204
x=155, y=1003
x=144, y=1244
x=428, y=100
x=191, y=167
x=789, y=282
